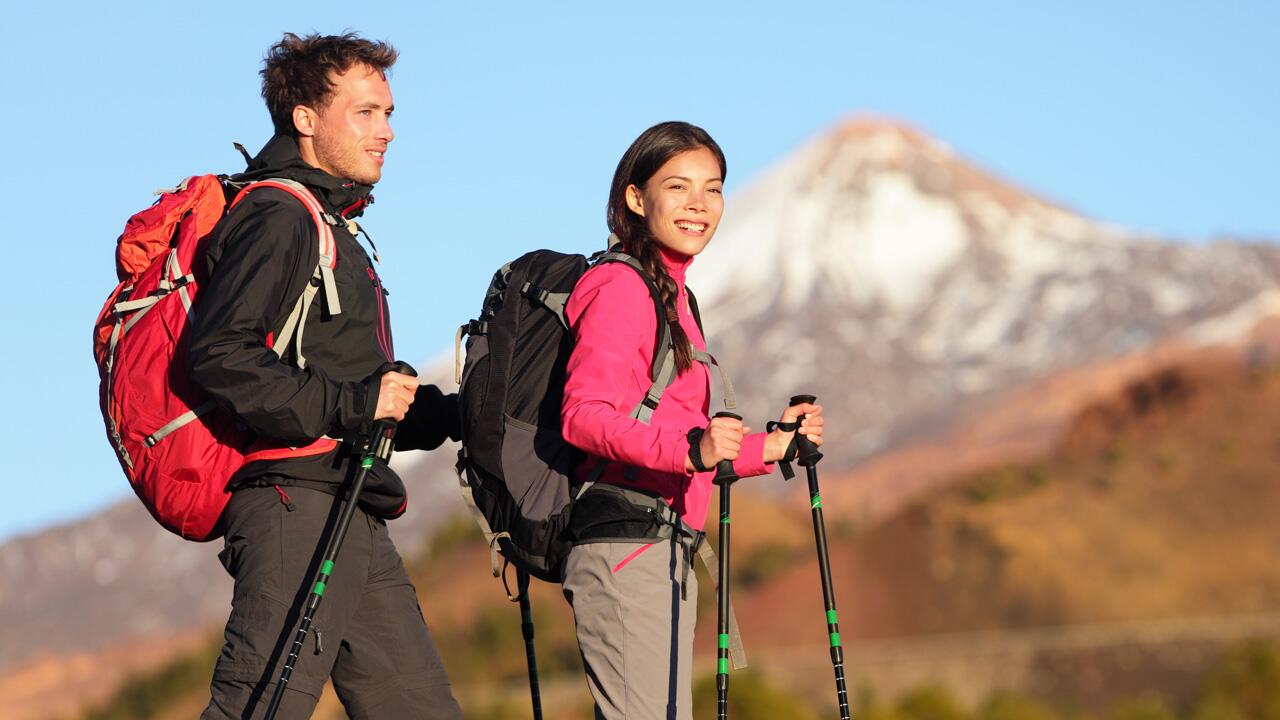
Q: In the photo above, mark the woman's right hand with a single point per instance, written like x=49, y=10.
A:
x=722, y=440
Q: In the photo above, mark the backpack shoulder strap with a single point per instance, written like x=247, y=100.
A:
x=322, y=274
x=662, y=370
x=693, y=309
x=662, y=337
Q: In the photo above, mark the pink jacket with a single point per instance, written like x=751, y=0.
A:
x=611, y=315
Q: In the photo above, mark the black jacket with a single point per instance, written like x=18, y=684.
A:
x=260, y=258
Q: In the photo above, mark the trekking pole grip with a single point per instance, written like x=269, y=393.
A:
x=383, y=432
x=807, y=453
x=724, y=469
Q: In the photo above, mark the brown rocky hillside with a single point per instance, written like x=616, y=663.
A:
x=1151, y=521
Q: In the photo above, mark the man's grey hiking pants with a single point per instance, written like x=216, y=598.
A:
x=368, y=634
x=635, y=628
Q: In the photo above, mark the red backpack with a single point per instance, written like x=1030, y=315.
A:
x=177, y=448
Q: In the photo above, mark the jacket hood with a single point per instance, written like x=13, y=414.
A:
x=280, y=158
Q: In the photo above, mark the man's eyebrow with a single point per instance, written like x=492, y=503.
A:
x=370, y=105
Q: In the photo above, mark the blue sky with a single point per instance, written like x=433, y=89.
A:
x=1160, y=116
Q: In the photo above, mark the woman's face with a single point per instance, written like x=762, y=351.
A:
x=682, y=202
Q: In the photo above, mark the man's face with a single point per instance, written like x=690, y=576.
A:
x=351, y=134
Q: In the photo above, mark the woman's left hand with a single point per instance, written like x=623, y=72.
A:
x=775, y=444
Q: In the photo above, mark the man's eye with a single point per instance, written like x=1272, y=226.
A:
x=675, y=186
x=715, y=190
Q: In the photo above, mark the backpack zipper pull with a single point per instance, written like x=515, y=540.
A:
x=356, y=230
x=319, y=641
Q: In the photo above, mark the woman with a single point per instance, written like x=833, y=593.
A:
x=627, y=577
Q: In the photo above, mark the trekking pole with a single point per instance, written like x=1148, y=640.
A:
x=526, y=627
x=378, y=446
x=725, y=478
x=808, y=457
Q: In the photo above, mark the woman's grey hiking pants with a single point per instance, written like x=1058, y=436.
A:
x=368, y=635
x=635, y=629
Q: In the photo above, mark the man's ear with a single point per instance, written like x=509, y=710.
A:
x=304, y=120
x=635, y=200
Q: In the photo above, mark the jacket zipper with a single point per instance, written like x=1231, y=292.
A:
x=383, y=334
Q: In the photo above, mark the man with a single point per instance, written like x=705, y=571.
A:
x=331, y=106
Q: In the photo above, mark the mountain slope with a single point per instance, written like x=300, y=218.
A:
x=1144, y=537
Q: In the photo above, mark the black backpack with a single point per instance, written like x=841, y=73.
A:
x=514, y=463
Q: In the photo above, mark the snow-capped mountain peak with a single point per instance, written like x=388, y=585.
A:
x=879, y=264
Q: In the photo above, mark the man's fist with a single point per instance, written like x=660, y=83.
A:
x=395, y=395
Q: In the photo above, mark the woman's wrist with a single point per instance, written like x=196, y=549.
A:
x=693, y=461
x=775, y=446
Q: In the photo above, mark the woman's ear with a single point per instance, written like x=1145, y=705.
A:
x=635, y=200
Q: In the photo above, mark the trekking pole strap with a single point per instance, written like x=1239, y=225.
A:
x=788, y=455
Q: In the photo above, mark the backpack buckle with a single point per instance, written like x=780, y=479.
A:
x=535, y=293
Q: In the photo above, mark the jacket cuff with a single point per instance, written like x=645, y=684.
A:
x=453, y=425
x=431, y=420
x=357, y=402
x=750, y=460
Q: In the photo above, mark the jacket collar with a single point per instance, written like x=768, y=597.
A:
x=677, y=264
x=280, y=158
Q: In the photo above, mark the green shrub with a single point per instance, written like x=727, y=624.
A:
x=751, y=697
x=1216, y=708
x=459, y=532
x=1015, y=706
x=931, y=703
x=1245, y=682
x=1150, y=707
x=148, y=695
x=763, y=565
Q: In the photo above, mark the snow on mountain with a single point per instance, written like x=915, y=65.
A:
x=878, y=269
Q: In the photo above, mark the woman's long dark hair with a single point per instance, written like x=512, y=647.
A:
x=639, y=163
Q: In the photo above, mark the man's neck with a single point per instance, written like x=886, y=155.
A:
x=307, y=151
